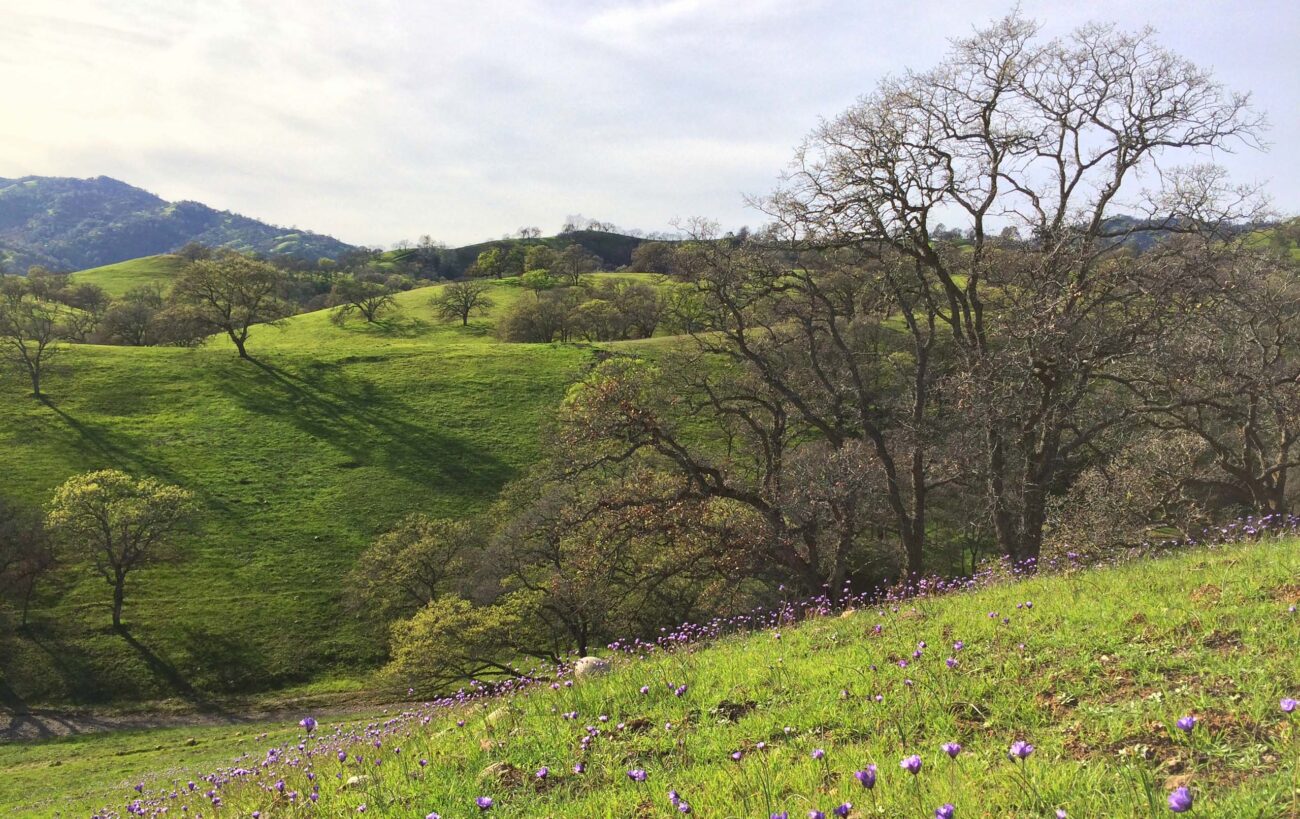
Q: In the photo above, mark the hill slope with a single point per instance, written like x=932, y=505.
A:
x=117, y=279
x=71, y=224
x=297, y=464
x=1091, y=668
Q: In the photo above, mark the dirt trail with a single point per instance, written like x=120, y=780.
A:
x=19, y=726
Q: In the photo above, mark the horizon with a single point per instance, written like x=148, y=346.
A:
x=430, y=122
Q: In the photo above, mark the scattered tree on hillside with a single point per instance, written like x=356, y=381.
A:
x=498, y=261
x=29, y=328
x=231, y=293
x=25, y=556
x=653, y=257
x=119, y=523
x=353, y=295
x=131, y=320
x=538, y=257
x=537, y=280
x=460, y=300
x=571, y=263
x=552, y=316
x=89, y=303
x=195, y=251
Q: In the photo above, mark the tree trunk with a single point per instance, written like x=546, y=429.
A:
x=119, y=595
x=239, y=345
x=27, y=604
x=914, y=549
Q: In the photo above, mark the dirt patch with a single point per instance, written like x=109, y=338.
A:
x=37, y=724
x=1290, y=593
x=1229, y=640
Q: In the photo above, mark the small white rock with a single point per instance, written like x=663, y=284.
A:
x=590, y=667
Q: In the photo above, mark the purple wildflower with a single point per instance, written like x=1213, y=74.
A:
x=945, y=812
x=1180, y=801
x=819, y=753
x=308, y=724
x=911, y=764
x=1288, y=705
x=1186, y=723
x=484, y=803
x=1019, y=750
x=637, y=775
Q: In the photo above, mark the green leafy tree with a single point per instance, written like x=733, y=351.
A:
x=490, y=263
x=119, y=523
x=409, y=567
x=231, y=293
x=537, y=280
x=538, y=257
x=451, y=640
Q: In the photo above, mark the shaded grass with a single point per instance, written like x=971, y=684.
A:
x=1093, y=675
x=298, y=460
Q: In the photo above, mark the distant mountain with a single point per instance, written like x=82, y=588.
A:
x=72, y=224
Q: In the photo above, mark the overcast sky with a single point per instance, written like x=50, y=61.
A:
x=380, y=120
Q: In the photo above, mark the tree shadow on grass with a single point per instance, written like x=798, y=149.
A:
x=369, y=426
x=168, y=672
x=124, y=456
x=392, y=327
x=22, y=723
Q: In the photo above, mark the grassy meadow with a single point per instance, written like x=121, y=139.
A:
x=297, y=461
x=1093, y=668
x=117, y=279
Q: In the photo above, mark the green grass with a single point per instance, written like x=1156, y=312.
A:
x=297, y=462
x=1093, y=675
x=117, y=279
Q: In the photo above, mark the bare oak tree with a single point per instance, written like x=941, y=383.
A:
x=1053, y=138
x=352, y=295
x=29, y=328
x=460, y=300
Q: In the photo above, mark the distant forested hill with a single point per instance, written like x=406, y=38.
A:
x=72, y=224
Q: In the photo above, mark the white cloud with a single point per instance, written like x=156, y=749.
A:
x=383, y=120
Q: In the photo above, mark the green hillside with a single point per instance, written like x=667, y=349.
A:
x=70, y=224
x=1092, y=668
x=297, y=463
x=117, y=279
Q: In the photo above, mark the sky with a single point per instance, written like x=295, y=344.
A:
x=383, y=120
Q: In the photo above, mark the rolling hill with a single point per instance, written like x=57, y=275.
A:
x=297, y=461
x=117, y=279
x=70, y=224
x=1063, y=694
